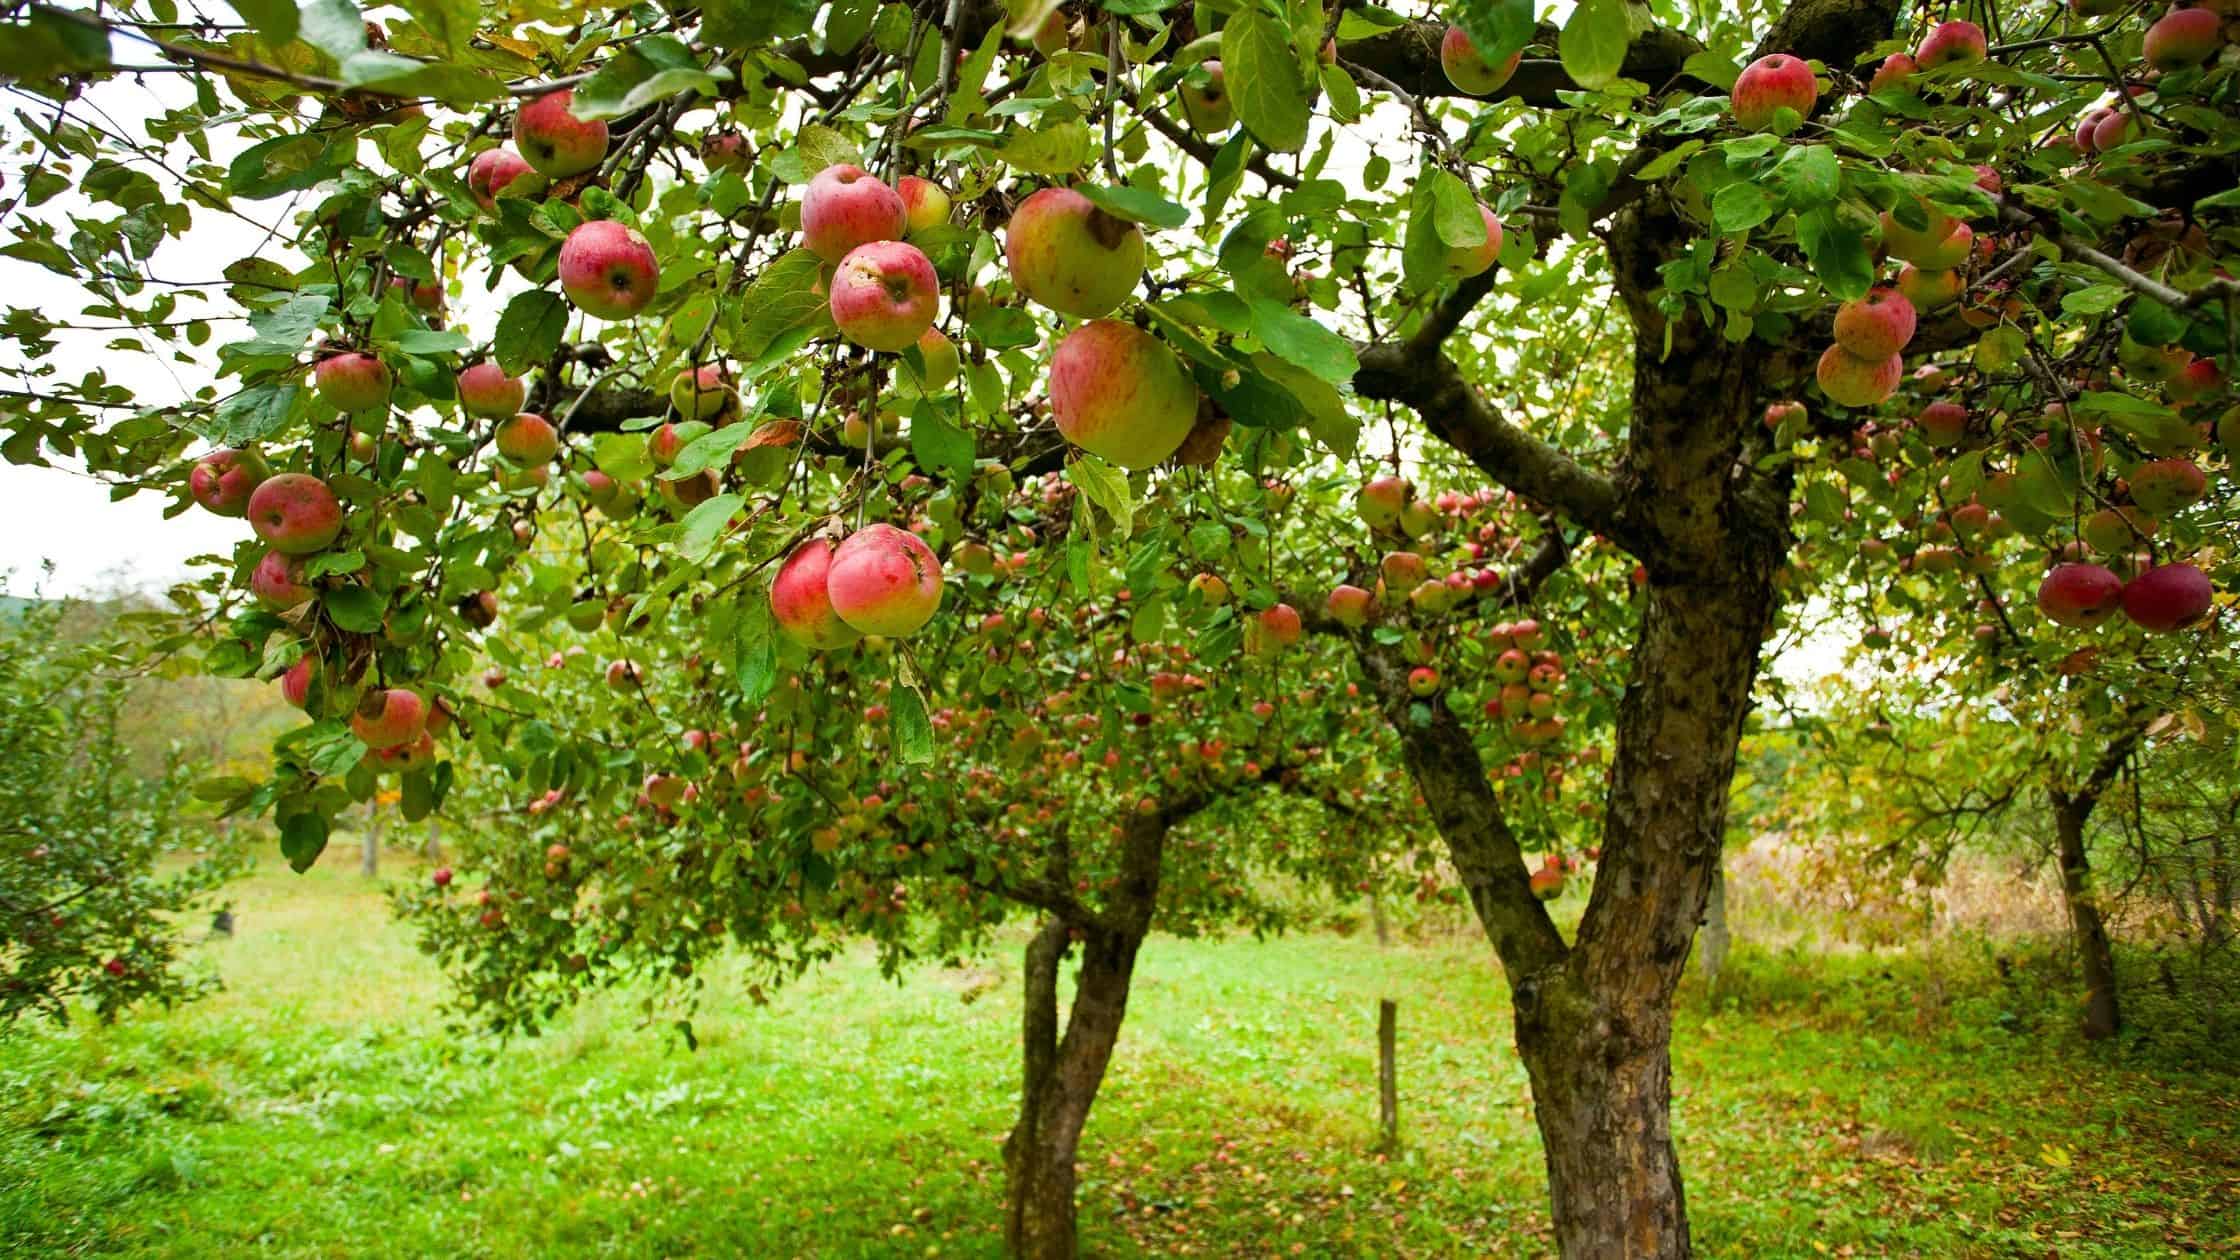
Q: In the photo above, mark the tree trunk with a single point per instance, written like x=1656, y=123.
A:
x=1602, y=1097
x=1061, y=1080
x=2102, y=1017
x=1388, y=1073
x=1715, y=941
x=369, y=861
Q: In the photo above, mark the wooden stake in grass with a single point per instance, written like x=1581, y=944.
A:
x=1388, y=1073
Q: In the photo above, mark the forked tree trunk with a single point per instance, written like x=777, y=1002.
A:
x=1060, y=1084
x=2103, y=1017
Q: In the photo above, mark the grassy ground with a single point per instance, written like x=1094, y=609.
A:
x=1852, y=1105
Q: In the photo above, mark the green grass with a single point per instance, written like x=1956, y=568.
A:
x=1828, y=1104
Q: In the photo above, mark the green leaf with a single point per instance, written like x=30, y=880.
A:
x=752, y=23
x=940, y=445
x=1106, y=487
x=451, y=23
x=913, y=730
x=1454, y=210
x=653, y=68
x=704, y=524
x=1838, y=251
x=1296, y=339
x=1593, y=44
x=354, y=608
x=1497, y=27
x=1808, y=176
x=1261, y=66
x=755, y=649
x=1740, y=206
x=255, y=413
x=48, y=46
x=784, y=296
x=1136, y=205
x=708, y=450
x=530, y=330
x=1057, y=149
x=303, y=837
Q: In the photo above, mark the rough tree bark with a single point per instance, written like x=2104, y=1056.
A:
x=1715, y=936
x=2072, y=812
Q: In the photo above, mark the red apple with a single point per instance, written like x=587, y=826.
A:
x=1943, y=423
x=1350, y=606
x=555, y=141
x=725, y=151
x=493, y=171
x=528, y=438
x=1855, y=382
x=1465, y=261
x=278, y=583
x=295, y=685
x=1468, y=70
x=1423, y=680
x=884, y=581
x=608, y=269
x=1876, y=326
x=388, y=717
x=2168, y=597
x=2183, y=37
x=801, y=603
x=1769, y=85
x=845, y=207
x=486, y=391
x=352, y=382
x=223, y=480
x=1893, y=74
x=1069, y=255
x=1952, y=43
x=295, y=513
x=1118, y=392
x=1278, y=627
x=885, y=295
x=2078, y=595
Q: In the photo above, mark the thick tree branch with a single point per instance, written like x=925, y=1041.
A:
x=1409, y=57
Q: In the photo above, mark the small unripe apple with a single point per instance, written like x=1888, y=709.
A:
x=1465, y=261
x=1930, y=290
x=1205, y=105
x=703, y=393
x=725, y=151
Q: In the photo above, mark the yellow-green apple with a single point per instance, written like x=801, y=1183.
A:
x=1422, y=680
x=1855, y=382
x=801, y=603
x=1468, y=70
x=2117, y=530
x=2080, y=596
x=352, y=381
x=1116, y=391
x=1930, y=290
x=2167, y=597
x=427, y=295
x=703, y=392
x=486, y=391
x=1769, y=85
x=1212, y=592
x=1381, y=502
x=664, y=444
x=1277, y=627
x=2183, y=37
x=389, y=716
x=939, y=355
x=608, y=269
x=278, y=582
x=556, y=142
x=295, y=513
x=925, y=204
x=846, y=207
x=884, y=581
x=1350, y=606
x=494, y=171
x=1465, y=261
x=1205, y=100
x=1913, y=244
x=527, y=438
x=1952, y=43
x=1067, y=254
x=416, y=754
x=1875, y=326
x=223, y=480
x=1893, y=74
x=2163, y=486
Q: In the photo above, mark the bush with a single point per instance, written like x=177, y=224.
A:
x=94, y=901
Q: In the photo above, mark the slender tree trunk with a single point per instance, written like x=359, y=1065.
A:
x=2102, y=1016
x=1383, y=923
x=1061, y=1083
x=1388, y=1073
x=1715, y=940
x=369, y=862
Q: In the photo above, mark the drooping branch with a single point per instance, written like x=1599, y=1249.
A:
x=1426, y=380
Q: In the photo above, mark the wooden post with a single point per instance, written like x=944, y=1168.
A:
x=1388, y=1073
x=369, y=864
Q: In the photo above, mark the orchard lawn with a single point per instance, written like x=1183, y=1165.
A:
x=1833, y=1104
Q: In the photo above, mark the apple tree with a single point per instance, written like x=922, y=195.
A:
x=724, y=370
